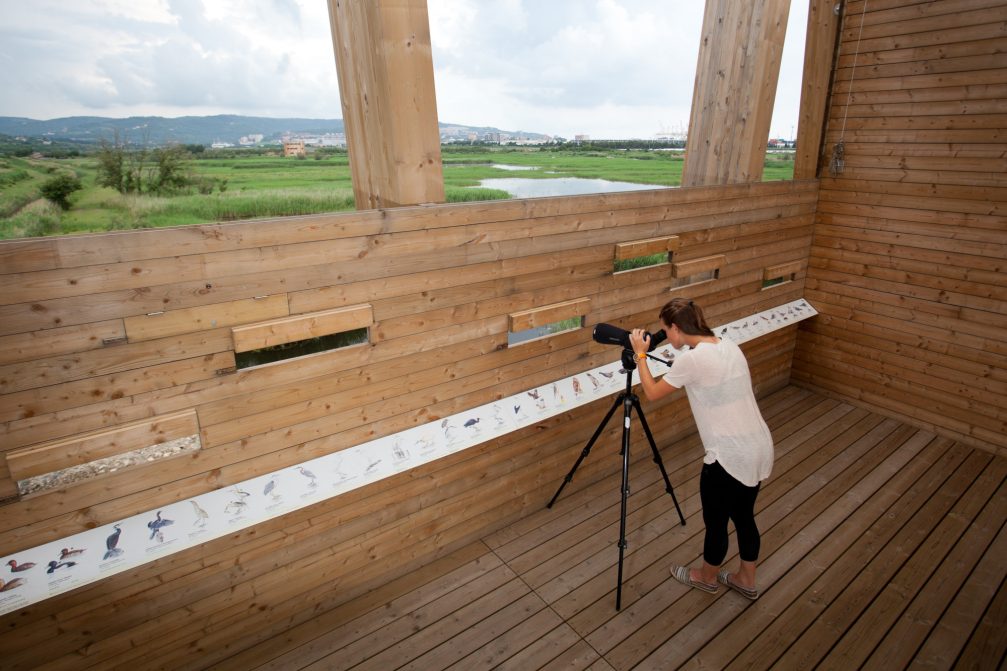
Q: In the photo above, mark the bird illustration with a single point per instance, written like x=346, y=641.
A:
x=201, y=515
x=472, y=422
x=447, y=431
x=372, y=466
x=576, y=386
x=270, y=487
x=237, y=505
x=17, y=568
x=594, y=380
x=69, y=552
x=308, y=474
x=155, y=526
x=533, y=393
x=517, y=409
x=497, y=417
x=606, y=374
x=557, y=395
x=53, y=565
x=398, y=452
x=11, y=584
x=111, y=542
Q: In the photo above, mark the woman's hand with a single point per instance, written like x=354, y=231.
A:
x=640, y=340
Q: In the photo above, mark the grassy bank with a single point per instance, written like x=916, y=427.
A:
x=249, y=187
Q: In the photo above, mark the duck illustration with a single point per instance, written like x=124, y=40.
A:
x=53, y=565
x=201, y=515
x=308, y=474
x=65, y=553
x=17, y=568
x=11, y=584
x=111, y=542
x=155, y=526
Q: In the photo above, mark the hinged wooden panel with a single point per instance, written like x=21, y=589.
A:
x=696, y=266
x=176, y=322
x=301, y=327
x=80, y=449
x=547, y=314
x=637, y=248
x=783, y=270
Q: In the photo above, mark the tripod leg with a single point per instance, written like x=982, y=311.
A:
x=627, y=413
x=657, y=457
x=587, y=449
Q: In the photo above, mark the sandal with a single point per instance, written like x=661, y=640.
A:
x=683, y=574
x=724, y=578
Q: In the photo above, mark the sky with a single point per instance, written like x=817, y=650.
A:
x=605, y=68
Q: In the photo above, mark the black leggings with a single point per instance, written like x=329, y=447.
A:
x=725, y=498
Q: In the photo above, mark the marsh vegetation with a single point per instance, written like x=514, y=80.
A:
x=234, y=186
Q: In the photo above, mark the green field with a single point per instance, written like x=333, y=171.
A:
x=254, y=186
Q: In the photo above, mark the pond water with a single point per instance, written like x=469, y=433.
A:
x=506, y=166
x=523, y=187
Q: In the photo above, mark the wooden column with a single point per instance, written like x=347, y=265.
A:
x=819, y=55
x=732, y=103
x=386, y=85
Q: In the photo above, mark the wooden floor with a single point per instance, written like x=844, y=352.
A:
x=883, y=546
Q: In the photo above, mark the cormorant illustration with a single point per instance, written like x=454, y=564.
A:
x=155, y=526
x=111, y=542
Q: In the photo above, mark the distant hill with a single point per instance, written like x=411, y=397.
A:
x=155, y=130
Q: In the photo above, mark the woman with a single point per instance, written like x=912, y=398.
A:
x=739, y=447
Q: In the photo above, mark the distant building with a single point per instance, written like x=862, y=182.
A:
x=293, y=148
x=581, y=138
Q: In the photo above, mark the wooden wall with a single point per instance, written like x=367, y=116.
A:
x=908, y=264
x=122, y=330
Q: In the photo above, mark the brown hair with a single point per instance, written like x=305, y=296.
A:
x=687, y=316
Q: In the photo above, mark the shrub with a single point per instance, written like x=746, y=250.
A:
x=58, y=189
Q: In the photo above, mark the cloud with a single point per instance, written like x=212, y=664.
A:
x=609, y=68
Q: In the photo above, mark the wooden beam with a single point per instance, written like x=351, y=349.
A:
x=819, y=55
x=386, y=87
x=732, y=103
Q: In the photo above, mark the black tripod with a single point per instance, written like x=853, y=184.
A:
x=629, y=400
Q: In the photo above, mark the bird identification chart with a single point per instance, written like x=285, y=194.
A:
x=32, y=575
